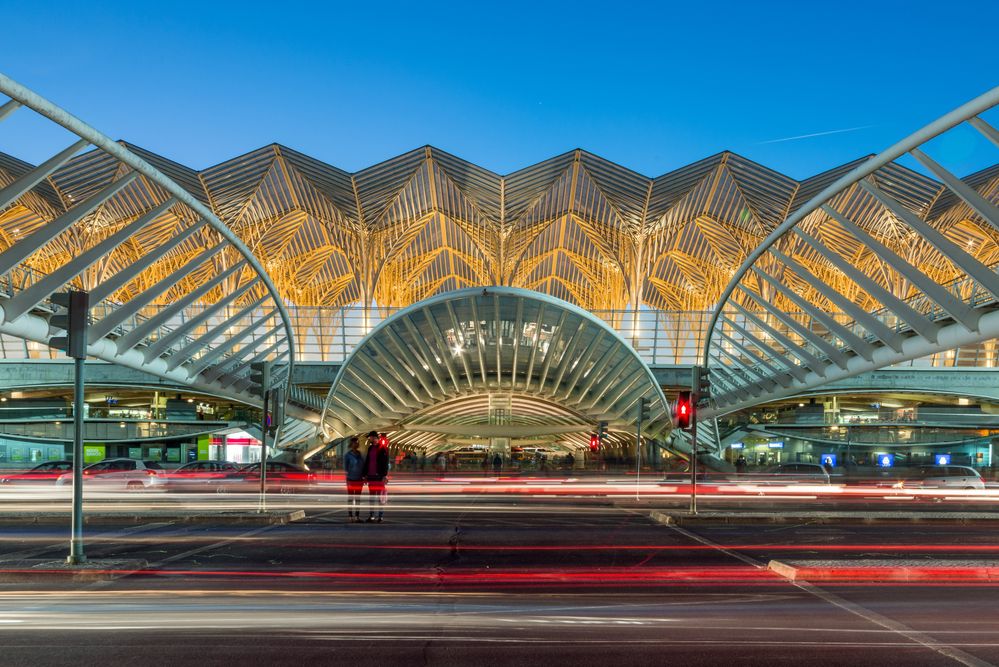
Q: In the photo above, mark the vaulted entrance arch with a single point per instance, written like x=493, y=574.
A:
x=496, y=362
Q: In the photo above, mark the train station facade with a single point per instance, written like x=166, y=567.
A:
x=458, y=309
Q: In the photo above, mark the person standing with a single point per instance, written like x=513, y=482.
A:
x=353, y=467
x=375, y=471
x=740, y=464
x=497, y=463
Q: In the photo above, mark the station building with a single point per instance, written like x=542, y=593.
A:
x=634, y=263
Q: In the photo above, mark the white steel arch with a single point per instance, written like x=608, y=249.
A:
x=881, y=266
x=479, y=341
x=173, y=291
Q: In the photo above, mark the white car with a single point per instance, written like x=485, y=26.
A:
x=797, y=473
x=943, y=477
x=112, y=474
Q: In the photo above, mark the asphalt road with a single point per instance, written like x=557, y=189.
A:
x=486, y=580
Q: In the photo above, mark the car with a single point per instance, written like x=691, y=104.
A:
x=281, y=476
x=203, y=476
x=943, y=477
x=41, y=473
x=792, y=473
x=121, y=473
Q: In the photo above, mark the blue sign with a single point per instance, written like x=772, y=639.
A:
x=942, y=459
x=886, y=460
x=828, y=460
x=776, y=445
x=736, y=445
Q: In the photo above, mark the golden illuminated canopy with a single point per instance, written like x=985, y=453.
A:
x=576, y=226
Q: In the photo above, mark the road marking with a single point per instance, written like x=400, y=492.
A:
x=853, y=608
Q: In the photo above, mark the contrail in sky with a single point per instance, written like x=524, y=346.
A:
x=816, y=134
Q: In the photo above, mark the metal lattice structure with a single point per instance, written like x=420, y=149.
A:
x=435, y=366
x=576, y=227
x=905, y=256
x=173, y=291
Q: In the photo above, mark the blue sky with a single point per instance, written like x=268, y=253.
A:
x=653, y=86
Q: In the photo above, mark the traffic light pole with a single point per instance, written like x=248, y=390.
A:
x=638, y=450
x=76, y=556
x=700, y=386
x=693, y=463
x=264, y=430
x=74, y=322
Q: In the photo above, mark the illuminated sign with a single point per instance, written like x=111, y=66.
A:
x=776, y=445
x=942, y=459
x=828, y=460
x=886, y=460
x=736, y=445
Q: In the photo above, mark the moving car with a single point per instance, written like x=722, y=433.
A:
x=42, y=473
x=281, y=476
x=943, y=477
x=803, y=473
x=121, y=473
x=203, y=476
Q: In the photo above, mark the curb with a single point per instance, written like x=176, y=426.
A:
x=908, y=574
x=98, y=570
x=684, y=519
x=268, y=518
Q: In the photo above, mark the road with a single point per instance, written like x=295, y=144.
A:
x=481, y=579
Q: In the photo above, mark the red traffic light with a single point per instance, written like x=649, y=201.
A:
x=684, y=410
x=383, y=440
x=594, y=442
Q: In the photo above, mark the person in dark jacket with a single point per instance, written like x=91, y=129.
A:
x=353, y=467
x=375, y=472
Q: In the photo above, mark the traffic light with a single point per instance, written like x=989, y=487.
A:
x=383, y=440
x=700, y=385
x=644, y=405
x=601, y=433
x=275, y=410
x=594, y=442
x=260, y=373
x=684, y=410
x=74, y=322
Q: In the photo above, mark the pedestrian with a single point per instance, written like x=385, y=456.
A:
x=740, y=464
x=375, y=471
x=497, y=463
x=353, y=466
x=570, y=461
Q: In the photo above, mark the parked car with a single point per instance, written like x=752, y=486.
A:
x=203, y=476
x=42, y=473
x=122, y=473
x=943, y=477
x=803, y=473
x=281, y=476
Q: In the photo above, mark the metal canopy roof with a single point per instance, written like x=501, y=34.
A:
x=485, y=341
x=881, y=266
x=111, y=223
x=575, y=226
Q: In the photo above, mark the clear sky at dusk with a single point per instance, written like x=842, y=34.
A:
x=653, y=86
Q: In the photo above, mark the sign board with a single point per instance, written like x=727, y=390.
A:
x=886, y=460
x=94, y=453
x=828, y=460
x=942, y=459
x=204, y=442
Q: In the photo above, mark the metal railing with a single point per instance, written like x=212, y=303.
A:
x=660, y=337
